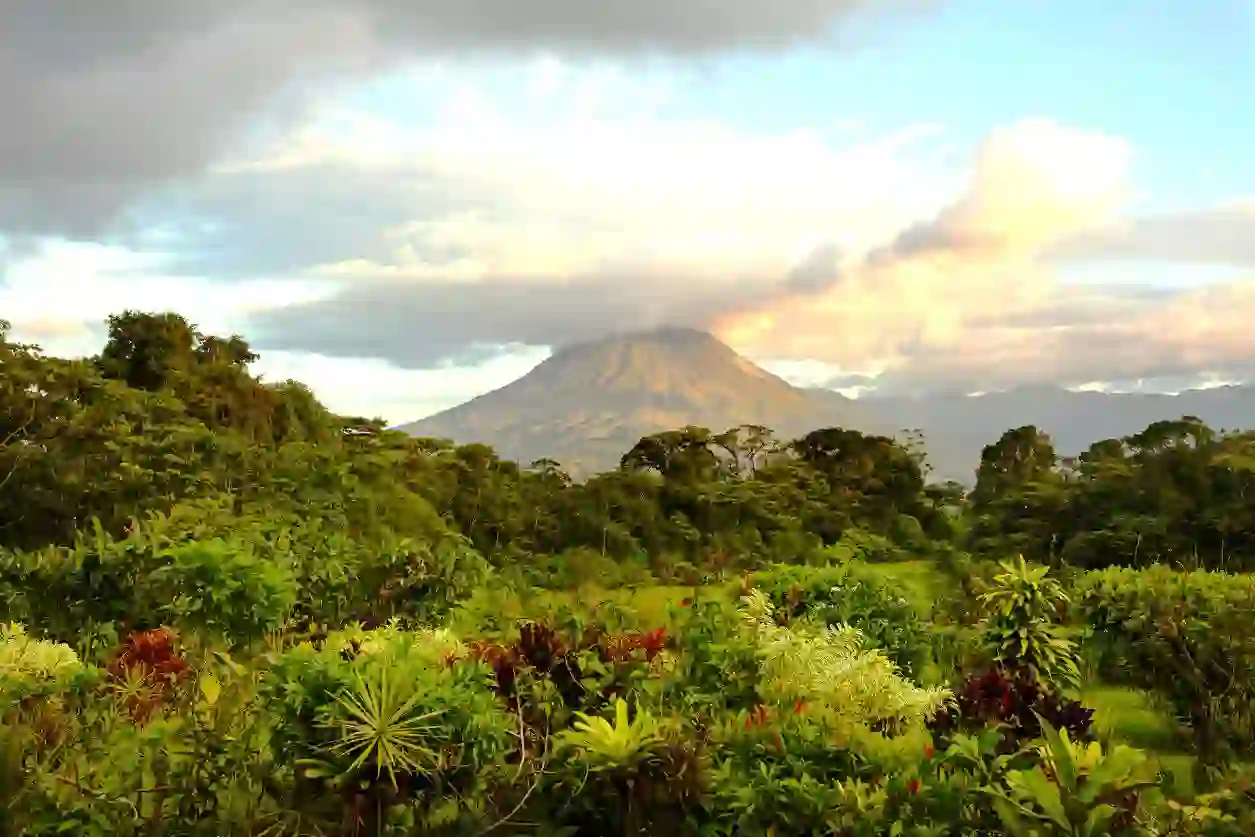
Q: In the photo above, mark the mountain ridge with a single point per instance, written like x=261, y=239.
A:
x=588, y=403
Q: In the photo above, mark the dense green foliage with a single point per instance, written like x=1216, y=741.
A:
x=1178, y=492
x=1190, y=637
x=228, y=611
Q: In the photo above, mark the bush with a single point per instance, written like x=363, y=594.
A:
x=36, y=674
x=834, y=670
x=202, y=568
x=392, y=723
x=580, y=565
x=860, y=545
x=222, y=590
x=850, y=594
x=25, y=659
x=1189, y=636
x=716, y=663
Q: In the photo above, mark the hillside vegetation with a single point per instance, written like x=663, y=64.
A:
x=226, y=611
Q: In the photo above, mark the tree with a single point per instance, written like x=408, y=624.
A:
x=746, y=446
x=144, y=350
x=678, y=455
x=1019, y=457
x=233, y=351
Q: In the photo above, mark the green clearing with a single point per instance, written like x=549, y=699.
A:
x=922, y=582
x=1131, y=716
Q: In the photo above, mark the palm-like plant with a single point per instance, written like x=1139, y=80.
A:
x=381, y=725
x=622, y=744
x=1024, y=590
x=1020, y=633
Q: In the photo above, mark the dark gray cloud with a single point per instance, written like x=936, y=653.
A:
x=1221, y=236
x=420, y=324
x=820, y=270
x=686, y=26
x=102, y=100
x=944, y=233
x=848, y=381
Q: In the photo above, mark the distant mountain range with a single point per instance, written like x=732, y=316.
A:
x=589, y=403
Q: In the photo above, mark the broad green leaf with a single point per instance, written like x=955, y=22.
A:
x=210, y=688
x=1061, y=755
x=1012, y=820
x=1044, y=793
x=1096, y=822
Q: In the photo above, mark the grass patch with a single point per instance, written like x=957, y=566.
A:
x=646, y=606
x=651, y=603
x=1131, y=717
x=922, y=582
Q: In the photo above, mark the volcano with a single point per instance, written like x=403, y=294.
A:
x=589, y=403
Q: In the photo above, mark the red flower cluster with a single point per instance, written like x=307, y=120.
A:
x=758, y=716
x=151, y=657
x=621, y=648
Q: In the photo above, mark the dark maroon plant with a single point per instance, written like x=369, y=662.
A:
x=540, y=650
x=1015, y=702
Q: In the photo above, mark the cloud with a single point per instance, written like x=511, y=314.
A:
x=103, y=101
x=419, y=324
x=369, y=386
x=1034, y=183
x=59, y=293
x=820, y=269
x=1222, y=235
x=1191, y=334
x=661, y=25
x=966, y=300
x=238, y=225
x=498, y=227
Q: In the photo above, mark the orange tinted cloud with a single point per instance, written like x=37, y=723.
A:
x=1034, y=183
x=950, y=281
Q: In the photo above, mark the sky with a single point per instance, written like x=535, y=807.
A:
x=405, y=204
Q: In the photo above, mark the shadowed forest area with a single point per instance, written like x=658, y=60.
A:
x=228, y=611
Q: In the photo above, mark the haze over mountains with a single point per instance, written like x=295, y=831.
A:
x=589, y=403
